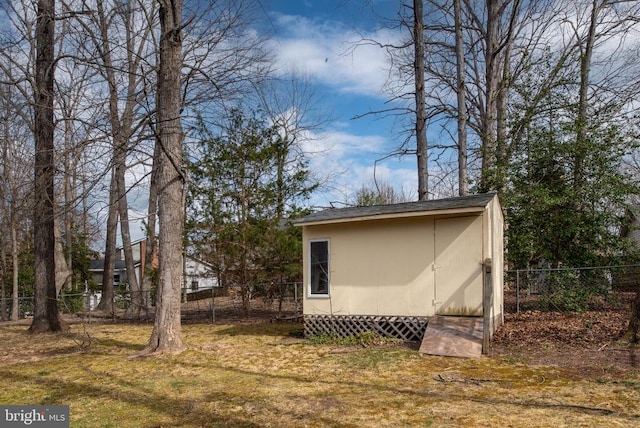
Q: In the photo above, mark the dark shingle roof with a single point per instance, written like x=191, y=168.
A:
x=99, y=264
x=344, y=214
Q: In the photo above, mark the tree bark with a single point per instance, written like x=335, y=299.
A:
x=45, y=316
x=3, y=282
x=586, y=56
x=166, y=336
x=492, y=72
x=108, y=268
x=15, y=300
x=12, y=211
x=151, y=241
x=634, y=322
x=136, y=307
x=121, y=119
x=421, y=108
x=63, y=272
x=463, y=180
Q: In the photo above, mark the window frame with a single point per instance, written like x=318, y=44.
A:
x=310, y=292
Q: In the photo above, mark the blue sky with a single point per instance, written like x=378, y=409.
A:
x=317, y=39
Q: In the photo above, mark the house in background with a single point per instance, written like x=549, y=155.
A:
x=138, y=250
x=628, y=278
x=198, y=275
x=119, y=273
x=390, y=268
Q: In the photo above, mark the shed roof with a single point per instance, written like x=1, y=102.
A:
x=472, y=203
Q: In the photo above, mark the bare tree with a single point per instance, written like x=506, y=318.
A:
x=135, y=26
x=118, y=42
x=13, y=197
x=291, y=104
x=406, y=85
x=378, y=194
x=15, y=190
x=463, y=180
x=45, y=316
x=421, y=108
x=109, y=263
x=166, y=336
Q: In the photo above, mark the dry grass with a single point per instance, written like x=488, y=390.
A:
x=262, y=375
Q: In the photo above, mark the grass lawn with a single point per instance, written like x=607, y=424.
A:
x=261, y=375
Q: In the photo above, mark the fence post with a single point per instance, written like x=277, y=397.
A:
x=213, y=309
x=518, y=291
x=487, y=306
x=295, y=300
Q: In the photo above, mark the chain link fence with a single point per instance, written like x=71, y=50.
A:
x=540, y=289
x=68, y=303
x=272, y=301
x=570, y=289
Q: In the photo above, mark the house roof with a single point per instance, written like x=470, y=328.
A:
x=472, y=203
x=98, y=265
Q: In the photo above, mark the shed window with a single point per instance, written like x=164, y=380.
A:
x=319, y=268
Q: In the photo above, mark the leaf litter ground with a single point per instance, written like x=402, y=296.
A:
x=543, y=370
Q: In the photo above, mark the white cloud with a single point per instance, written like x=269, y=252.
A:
x=344, y=162
x=327, y=52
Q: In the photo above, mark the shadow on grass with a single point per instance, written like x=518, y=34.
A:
x=463, y=395
x=239, y=409
x=262, y=329
x=120, y=344
x=183, y=412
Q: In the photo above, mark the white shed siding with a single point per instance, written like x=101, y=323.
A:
x=399, y=261
x=377, y=267
x=458, y=265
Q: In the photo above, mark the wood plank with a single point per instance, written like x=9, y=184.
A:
x=453, y=337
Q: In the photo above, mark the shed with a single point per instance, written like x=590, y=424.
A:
x=390, y=268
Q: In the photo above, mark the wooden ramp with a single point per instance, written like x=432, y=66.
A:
x=453, y=336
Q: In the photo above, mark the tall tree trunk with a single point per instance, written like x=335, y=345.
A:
x=492, y=71
x=12, y=211
x=45, y=315
x=108, y=268
x=69, y=197
x=501, y=123
x=3, y=281
x=15, y=298
x=166, y=336
x=136, y=306
x=6, y=213
x=151, y=241
x=586, y=56
x=634, y=322
x=463, y=180
x=502, y=92
x=421, y=108
x=121, y=131
x=63, y=272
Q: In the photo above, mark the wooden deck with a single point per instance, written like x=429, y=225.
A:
x=453, y=336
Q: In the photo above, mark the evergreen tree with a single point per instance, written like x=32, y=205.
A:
x=244, y=187
x=552, y=218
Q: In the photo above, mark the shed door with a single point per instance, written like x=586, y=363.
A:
x=458, y=266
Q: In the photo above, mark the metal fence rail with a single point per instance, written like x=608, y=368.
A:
x=282, y=301
x=536, y=289
x=569, y=289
